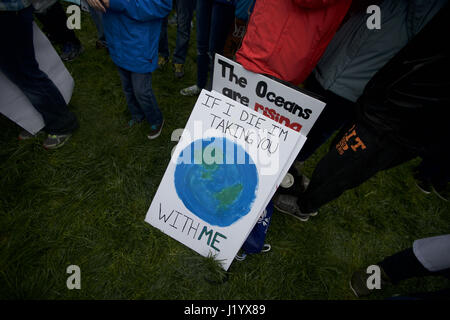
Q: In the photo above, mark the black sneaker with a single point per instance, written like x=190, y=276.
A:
x=288, y=204
x=70, y=51
x=155, y=131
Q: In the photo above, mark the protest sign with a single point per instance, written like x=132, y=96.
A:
x=221, y=176
x=286, y=105
x=15, y=105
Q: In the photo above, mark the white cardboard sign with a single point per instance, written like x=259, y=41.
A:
x=15, y=105
x=287, y=106
x=221, y=176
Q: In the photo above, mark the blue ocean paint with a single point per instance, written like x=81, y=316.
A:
x=219, y=192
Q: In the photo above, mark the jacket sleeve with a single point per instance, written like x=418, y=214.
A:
x=143, y=10
x=314, y=4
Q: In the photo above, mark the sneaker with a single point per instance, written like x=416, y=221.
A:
x=288, y=204
x=25, y=135
x=162, y=62
x=358, y=282
x=55, y=141
x=190, y=91
x=70, y=51
x=155, y=131
x=179, y=70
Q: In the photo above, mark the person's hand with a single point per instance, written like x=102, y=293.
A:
x=97, y=5
x=106, y=3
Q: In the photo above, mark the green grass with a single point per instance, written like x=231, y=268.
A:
x=85, y=205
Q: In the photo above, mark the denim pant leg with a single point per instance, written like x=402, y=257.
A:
x=127, y=86
x=18, y=63
x=97, y=17
x=204, y=8
x=142, y=87
x=185, y=11
x=163, y=45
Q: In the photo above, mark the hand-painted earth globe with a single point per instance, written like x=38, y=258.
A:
x=216, y=180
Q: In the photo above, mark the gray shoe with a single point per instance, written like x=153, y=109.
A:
x=54, y=141
x=288, y=204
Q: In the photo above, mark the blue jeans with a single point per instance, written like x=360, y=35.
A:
x=140, y=97
x=18, y=63
x=213, y=23
x=185, y=12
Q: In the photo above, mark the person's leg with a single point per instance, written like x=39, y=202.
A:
x=359, y=155
x=137, y=115
x=185, y=11
x=433, y=173
x=18, y=63
x=403, y=265
x=222, y=18
x=54, y=21
x=142, y=88
x=163, y=46
x=97, y=17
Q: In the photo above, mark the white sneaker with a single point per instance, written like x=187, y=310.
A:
x=190, y=91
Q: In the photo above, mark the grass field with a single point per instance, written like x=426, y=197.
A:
x=85, y=204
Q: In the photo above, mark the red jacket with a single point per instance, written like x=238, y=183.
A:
x=286, y=38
